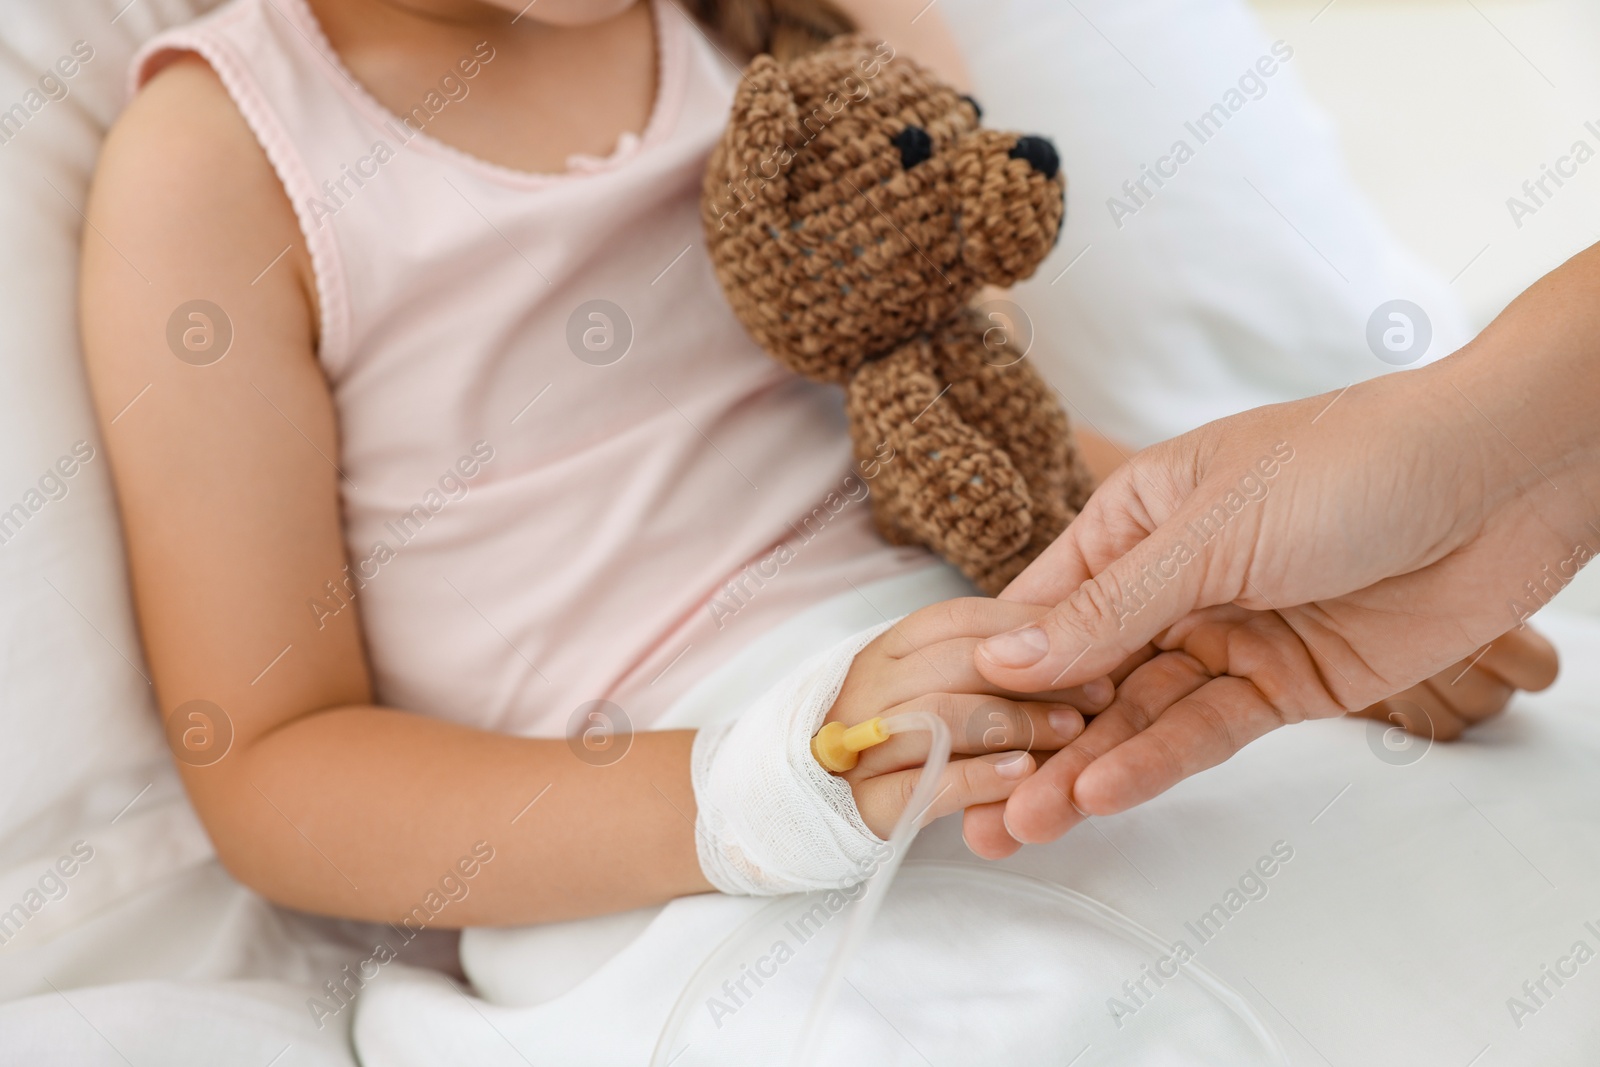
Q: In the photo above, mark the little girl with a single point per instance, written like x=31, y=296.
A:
x=437, y=451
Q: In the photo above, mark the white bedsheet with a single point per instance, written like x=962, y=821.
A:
x=1427, y=884
x=1422, y=894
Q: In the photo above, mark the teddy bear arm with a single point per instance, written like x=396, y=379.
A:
x=1004, y=397
x=948, y=486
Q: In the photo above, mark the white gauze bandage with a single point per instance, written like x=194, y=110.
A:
x=771, y=819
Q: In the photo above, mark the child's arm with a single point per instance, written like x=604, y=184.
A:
x=230, y=505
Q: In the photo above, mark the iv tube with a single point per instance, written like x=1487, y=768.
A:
x=866, y=909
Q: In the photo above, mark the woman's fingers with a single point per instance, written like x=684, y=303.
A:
x=1133, y=663
x=978, y=724
x=1472, y=690
x=945, y=666
x=1472, y=694
x=1195, y=734
x=1523, y=659
x=965, y=782
x=983, y=828
x=1170, y=719
x=1095, y=623
x=1418, y=711
x=1043, y=808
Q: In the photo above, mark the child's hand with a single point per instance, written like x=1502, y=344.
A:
x=925, y=663
x=1469, y=692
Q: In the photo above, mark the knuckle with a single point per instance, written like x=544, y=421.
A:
x=1021, y=734
x=1494, y=700
x=1257, y=655
x=996, y=724
x=1490, y=700
x=1217, y=724
x=944, y=705
x=905, y=786
x=954, y=618
x=936, y=616
x=965, y=717
x=1096, y=605
x=1252, y=649
x=974, y=616
x=1093, y=603
x=968, y=781
x=1263, y=652
x=1167, y=758
x=1170, y=673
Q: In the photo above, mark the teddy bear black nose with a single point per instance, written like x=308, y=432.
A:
x=915, y=145
x=1039, y=153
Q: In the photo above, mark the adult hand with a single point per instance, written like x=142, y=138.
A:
x=1372, y=538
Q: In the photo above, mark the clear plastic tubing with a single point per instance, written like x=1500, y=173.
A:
x=866, y=910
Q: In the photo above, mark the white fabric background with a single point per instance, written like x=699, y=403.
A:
x=1249, y=277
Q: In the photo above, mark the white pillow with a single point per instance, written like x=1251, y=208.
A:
x=1250, y=275
x=81, y=737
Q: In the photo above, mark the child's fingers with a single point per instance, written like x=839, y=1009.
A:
x=941, y=639
x=947, y=667
x=974, y=616
x=1419, y=711
x=1523, y=659
x=978, y=724
x=965, y=782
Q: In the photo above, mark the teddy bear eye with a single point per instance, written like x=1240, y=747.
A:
x=915, y=145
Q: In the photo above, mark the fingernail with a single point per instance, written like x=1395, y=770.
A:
x=1013, y=765
x=1099, y=692
x=1019, y=648
x=1005, y=821
x=1066, y=723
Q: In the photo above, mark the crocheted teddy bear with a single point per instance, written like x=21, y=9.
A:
x=852, y=210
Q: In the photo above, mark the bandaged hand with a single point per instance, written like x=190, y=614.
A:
x=772, y=820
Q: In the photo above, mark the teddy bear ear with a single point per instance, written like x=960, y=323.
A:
x=751, y=168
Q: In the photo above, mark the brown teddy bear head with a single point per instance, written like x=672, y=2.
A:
x=854, y=203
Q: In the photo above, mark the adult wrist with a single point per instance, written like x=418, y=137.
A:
x=1529, y=386
x=1524, y=393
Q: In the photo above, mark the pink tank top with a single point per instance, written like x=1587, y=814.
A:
x=568, y=473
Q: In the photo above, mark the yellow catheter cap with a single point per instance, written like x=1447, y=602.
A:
x=836, y=746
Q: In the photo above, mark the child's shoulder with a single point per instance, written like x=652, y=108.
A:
x=182, y=127
x=185, y=193
x=182, y=156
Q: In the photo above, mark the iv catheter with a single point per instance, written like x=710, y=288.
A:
x=1072, y=921
x=837, y=748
